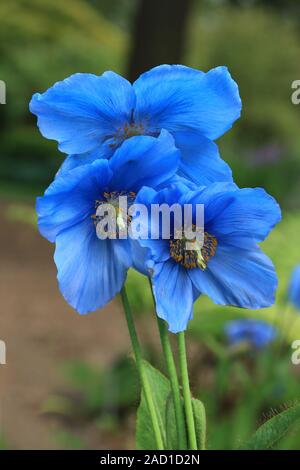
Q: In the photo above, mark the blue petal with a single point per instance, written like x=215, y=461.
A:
x=156, y=249
x=294, y=288
x=237, y=216
x=83, y=110
x=173, y=294
x=215, y=198
x=139, y=256
x=144, y=161
x=257, y=333
x=71, y=198
x=90, y=271
x=73, y=161
x=122, y=251
x=178, y=180
x=243, y=278
x=177, y=98
x=171, y=194
x=262, y=334
x=250, y=215
x=159, y=249
x=200, y=159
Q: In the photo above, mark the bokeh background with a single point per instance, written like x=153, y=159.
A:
x=69, y=381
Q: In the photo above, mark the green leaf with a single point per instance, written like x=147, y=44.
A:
x=171, y=427
x=273, y=430
x=161, y=390
x=200, y=422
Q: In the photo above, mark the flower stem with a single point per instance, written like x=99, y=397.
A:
x=170, y=363
x=179, y=414
x=186, y=392
x=141, y=370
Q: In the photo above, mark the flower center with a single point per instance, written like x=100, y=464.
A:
x=196, y=256
x=119, y=201
x=125, y=132
x=132, y=129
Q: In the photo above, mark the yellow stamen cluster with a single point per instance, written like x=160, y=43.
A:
x=195, y=258
x=113, y=198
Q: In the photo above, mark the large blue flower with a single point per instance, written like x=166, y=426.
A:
x=92, y=271
x=90, y=116
x=255, y=332
x=294, y=288
x=230, y=267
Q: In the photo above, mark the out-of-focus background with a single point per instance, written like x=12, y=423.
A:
x=69, y=381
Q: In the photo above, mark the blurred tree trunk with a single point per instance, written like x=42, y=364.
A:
x=158, y=34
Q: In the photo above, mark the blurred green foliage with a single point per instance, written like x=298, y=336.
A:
x=68, y=441
x=99, y=392
x=3, y=443
x=44, y=41
x=119, y=13
x=244, y=392
x=102, y=398
x=41, y=42
x=261, y=50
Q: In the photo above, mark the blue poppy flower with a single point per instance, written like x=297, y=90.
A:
x=255, y=332
x=294, y=288
x=230, y=267
x=91, y=271
x=90, y=116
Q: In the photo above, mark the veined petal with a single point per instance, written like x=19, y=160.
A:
x=250, y=216
x=215, y=198
x=200, y=159
x=90, y=271
x=173, y=294
x=71, y=198
x=178, y=98
x=243, y=278
x=144, y=161
x=83, y=110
